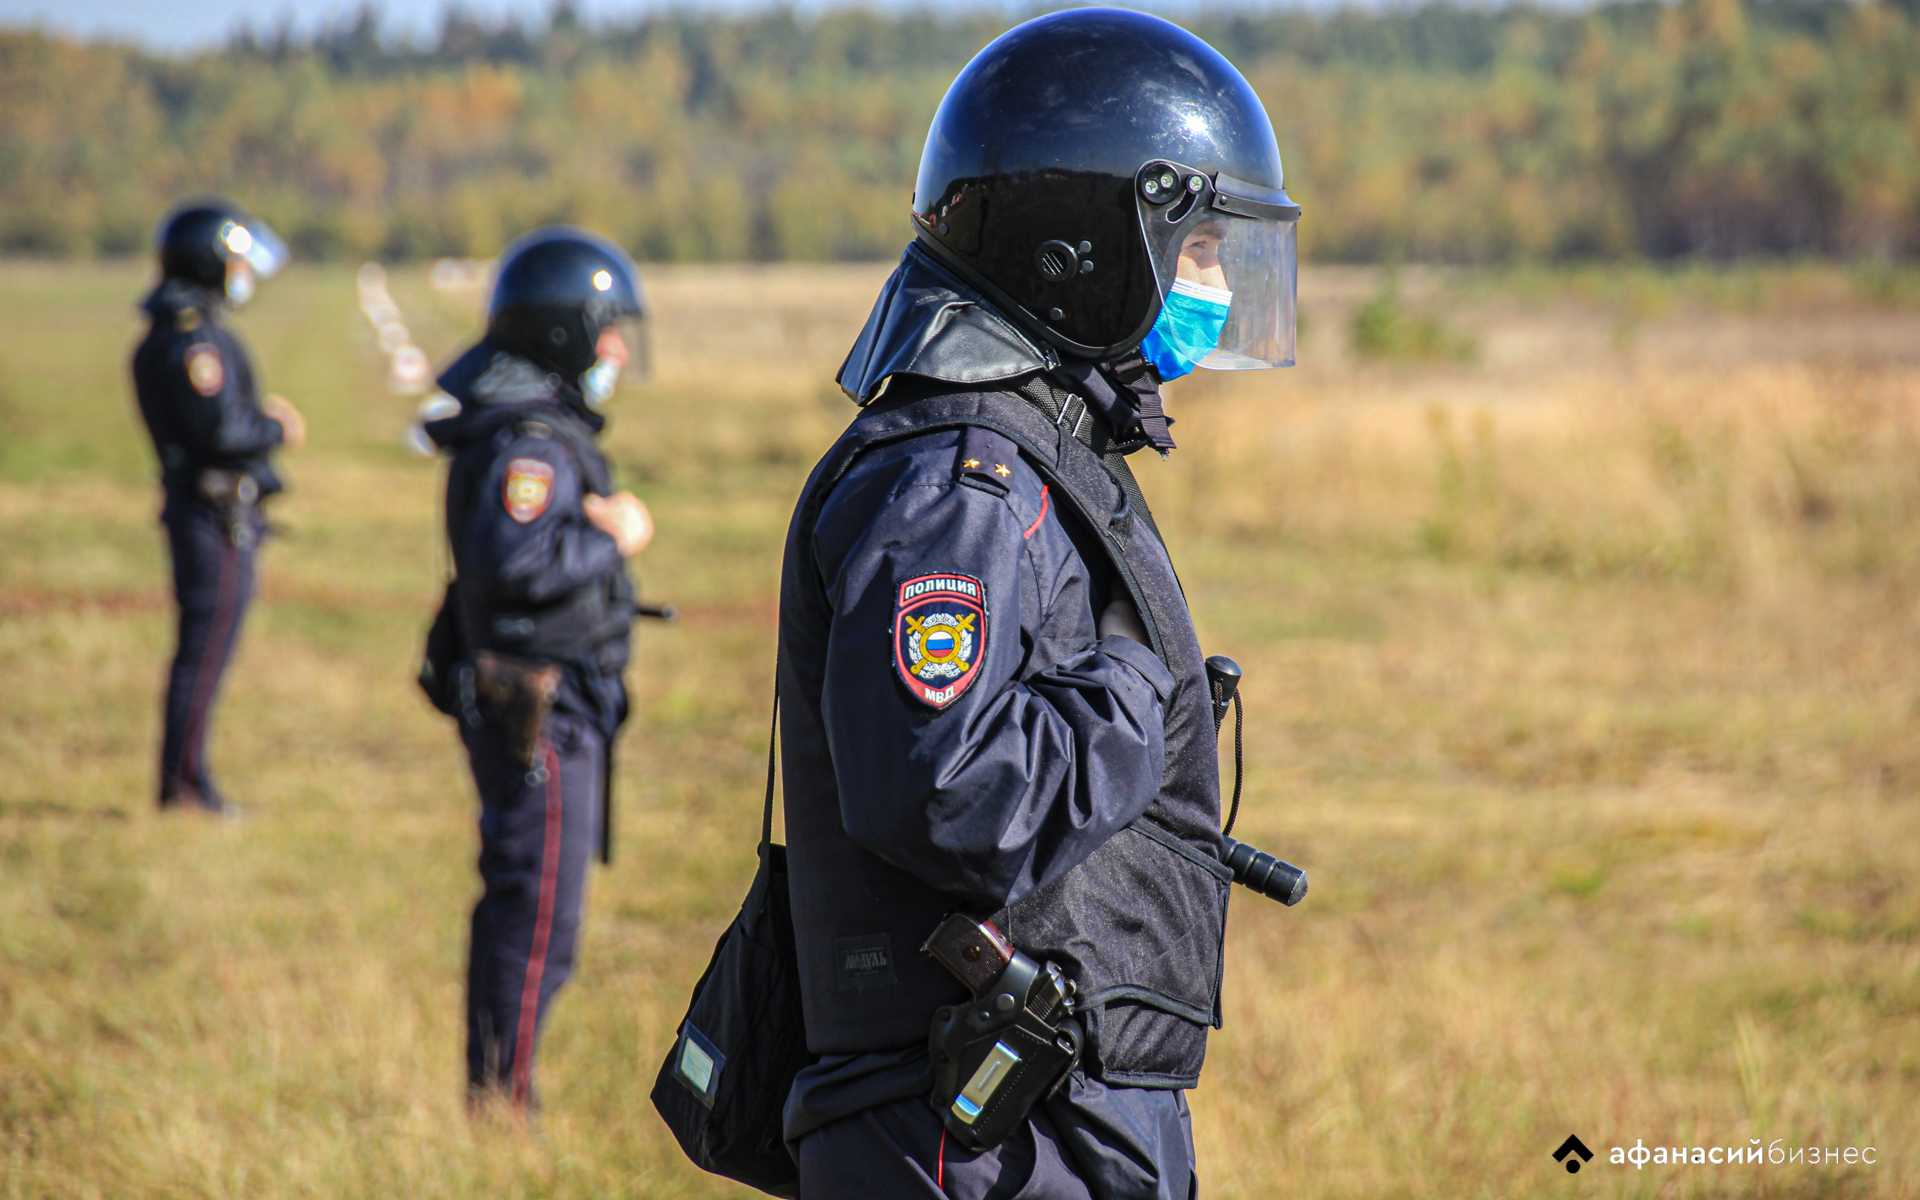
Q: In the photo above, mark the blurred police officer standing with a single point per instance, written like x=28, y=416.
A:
x=215, y=435
x=993, y=699
x=528, y=650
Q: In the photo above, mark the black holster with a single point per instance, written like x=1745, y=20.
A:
x=234, y=496
x=997, y=1056
x=518, y=693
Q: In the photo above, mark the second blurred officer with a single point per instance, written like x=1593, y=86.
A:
x=214, y=436
x=528, y=650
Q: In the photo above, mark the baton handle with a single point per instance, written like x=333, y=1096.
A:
x=1264, y=873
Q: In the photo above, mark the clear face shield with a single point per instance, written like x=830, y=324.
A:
x=1226, y=257
x=623, y=348
x=253, y=253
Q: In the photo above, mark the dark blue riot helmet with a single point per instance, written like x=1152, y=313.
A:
x=1080, y=157
x=558, y=291
x=211, y=242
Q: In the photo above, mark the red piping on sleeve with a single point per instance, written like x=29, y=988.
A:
x=1041, y=517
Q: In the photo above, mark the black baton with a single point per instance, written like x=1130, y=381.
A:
x=1251, y=867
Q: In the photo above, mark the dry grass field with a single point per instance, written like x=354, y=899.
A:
x=1583, y=674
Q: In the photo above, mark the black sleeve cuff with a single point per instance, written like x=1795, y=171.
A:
x=1142, y=659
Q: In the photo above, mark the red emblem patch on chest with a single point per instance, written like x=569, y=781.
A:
x=939, y=636
x=529, y=488
x=206, y=370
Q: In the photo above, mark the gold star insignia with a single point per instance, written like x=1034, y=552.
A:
x=971, y=464
x=1000, y=469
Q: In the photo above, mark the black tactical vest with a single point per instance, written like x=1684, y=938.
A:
x=1138, y=925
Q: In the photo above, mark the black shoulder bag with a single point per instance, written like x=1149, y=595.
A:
x=723, y=1088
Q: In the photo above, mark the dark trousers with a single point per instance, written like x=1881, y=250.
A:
x=212, y=585
x=901, y=1151
x=1124, y=1144
x=538, y=828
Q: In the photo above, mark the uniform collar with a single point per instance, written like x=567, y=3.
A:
x=494, y=387
x=174, y=296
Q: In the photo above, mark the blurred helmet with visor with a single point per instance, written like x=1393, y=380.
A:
x=210, y=242
x=569, y=301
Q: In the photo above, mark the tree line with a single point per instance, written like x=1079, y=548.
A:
x=1637, y=128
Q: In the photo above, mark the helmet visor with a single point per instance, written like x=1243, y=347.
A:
x=1236, y=246
x=622, y=350
x=627, y=341
x=1260, y=262
x=254, y=243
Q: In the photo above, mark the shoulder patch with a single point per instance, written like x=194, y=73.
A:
x=529, y=488
x=986, y=460
x=939, y=636
x=206, y=370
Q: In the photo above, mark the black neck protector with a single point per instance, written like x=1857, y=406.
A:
x=929, y=323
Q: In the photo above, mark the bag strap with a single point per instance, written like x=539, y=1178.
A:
x=757, y=895
x=773, y=743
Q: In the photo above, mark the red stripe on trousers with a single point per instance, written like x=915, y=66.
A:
x=542, y=930
x=196, y=732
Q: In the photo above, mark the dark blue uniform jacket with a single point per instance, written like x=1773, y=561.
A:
x=533, y=578
x=196, y=392
x=1054, y=746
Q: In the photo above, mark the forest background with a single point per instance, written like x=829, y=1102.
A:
x=1702, y=128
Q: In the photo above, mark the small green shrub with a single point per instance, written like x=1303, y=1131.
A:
x=1386, y=328
x=1884, y=285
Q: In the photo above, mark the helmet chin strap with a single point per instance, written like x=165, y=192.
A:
x=1126, y=393
x=1135, y=374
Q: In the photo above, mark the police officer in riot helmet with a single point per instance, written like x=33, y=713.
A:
x=993, y=701
x=215, y=435
x=529, y=647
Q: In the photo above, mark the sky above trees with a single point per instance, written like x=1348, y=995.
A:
x=202, y=23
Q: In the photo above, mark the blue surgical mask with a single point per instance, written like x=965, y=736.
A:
x=598, y=383
x=1191, y=318
x=240, y=286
